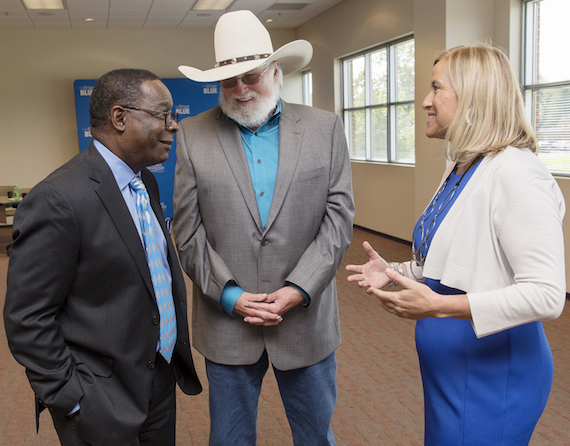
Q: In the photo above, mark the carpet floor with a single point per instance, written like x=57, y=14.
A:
x=379, y=387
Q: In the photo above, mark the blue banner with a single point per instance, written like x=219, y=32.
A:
x=190, y=98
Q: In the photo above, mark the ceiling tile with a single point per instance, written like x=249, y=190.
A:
x=96, y=24
x=126, y=14
x=20, y=22
x=154, y=13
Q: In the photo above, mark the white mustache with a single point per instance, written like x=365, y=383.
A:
x=245, y=97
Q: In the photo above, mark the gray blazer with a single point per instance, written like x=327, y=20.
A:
x=219, y=235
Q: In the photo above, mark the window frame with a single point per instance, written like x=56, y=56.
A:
x=390, y=105
x=532, y=86
x=307, y=77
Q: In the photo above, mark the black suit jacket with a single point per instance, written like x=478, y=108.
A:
x=80, y=310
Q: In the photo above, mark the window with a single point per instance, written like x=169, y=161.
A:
x=308, y=88
x=547, y=79
x=378, y=103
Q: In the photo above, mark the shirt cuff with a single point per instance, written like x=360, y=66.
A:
x=305, y=295
x=230, y=295
x=75, y=409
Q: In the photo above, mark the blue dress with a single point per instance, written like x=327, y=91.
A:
x=480, y=392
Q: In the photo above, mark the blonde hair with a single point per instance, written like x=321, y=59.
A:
x=490, y=111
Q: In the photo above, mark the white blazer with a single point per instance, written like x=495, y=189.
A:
x=502, y=243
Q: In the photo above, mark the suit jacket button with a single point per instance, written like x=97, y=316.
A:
x=154, y=320
x=151, y=365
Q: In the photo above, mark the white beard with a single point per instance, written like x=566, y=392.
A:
x=254, y=114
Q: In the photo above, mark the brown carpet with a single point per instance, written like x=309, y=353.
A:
x=379, y=388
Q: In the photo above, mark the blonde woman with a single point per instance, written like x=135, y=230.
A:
x=487, y=263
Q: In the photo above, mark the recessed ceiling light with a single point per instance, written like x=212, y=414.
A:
x=43, y=4
x=88, y=19
x=211, y=5
x=269, y=21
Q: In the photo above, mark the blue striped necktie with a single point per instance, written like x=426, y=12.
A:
x=160, y=279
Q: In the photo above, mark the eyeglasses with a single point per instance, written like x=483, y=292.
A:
x=247, y=79
x=169, y=115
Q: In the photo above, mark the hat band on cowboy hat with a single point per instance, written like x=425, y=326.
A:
x=241, y=59
x=241, y=44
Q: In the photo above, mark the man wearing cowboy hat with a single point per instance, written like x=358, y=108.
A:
x=263, y=216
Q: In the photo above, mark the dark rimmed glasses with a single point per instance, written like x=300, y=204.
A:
x=169, y=116
x=247, y=79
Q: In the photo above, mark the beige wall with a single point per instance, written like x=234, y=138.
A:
x=37, y=113
x=384, y=195
x=436, y=25
x=38, y=127
x=390, y=198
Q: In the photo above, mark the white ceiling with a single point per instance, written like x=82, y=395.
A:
x=137, y=14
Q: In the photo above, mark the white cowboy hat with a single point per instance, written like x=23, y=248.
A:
x=242, y=43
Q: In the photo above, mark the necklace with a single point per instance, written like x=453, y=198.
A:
x=419, y=253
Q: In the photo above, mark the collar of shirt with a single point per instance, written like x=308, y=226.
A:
x=123, y=175
x=121, y=171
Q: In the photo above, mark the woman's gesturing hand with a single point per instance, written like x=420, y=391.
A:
x=371, y=274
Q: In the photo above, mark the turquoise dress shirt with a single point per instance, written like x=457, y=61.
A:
x=262, y=152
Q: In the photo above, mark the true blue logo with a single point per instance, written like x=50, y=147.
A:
x=182, y=109
x=86, y=90
x=210, y=89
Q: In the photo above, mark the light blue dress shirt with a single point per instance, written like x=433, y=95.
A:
x=123, y=175
x=262, y=152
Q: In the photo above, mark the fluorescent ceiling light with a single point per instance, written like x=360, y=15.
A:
x=211, y=5
x=44, y=4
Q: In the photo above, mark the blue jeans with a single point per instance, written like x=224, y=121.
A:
x=308, y=394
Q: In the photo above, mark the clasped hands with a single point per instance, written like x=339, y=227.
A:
x=415, y=301
x=267, y=309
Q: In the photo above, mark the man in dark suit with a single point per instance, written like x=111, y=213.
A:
x=81, y=310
